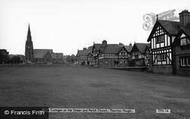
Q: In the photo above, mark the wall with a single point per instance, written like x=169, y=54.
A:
x=181, y=70
x=165, y=69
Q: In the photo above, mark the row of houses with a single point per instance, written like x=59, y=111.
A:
x=167, y=50
x=114, y=55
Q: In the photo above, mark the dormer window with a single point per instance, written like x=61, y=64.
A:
x=184, y=40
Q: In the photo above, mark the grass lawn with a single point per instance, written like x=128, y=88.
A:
x=83, y=87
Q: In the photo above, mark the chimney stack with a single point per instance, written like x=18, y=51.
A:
x=84, y=48
x=104, y=42
x=184, y=17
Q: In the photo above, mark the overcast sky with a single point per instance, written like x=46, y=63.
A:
x=68, y=25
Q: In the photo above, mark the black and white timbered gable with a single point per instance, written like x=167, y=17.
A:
x=161, y=39
x=123, y=53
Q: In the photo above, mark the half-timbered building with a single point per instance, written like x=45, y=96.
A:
x=106, y=55
x=124, y=55
x=90, y=58
x=84, y=56
x=109, y=56
x=161, y=39
x=138, y=54
x=96, y=50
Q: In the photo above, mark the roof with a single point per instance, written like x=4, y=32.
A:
x=85, y=52
x=128, y=48
x=112, y=48
x=97, y=46
x=79, y=52
x=141, y=46
x=172, y=27
x=186, y=29
x=40, y=53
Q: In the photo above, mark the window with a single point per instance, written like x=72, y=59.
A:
x=184, y=41
x=136, y=55
x=184, y=61
x=123, y=53
x=160, y=39
x=161, y=57
x=159, y=31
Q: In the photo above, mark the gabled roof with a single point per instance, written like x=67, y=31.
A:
x=141, y=46
x=171, y=27
x=128, y=48
x=79, y=52
x=40, y=53
x=97, y=46
x=84, y=52
x=185, y=30
x=112, y=48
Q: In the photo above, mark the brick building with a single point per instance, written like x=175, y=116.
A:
x=182, y=49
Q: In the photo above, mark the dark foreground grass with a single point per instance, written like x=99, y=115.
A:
x=83, y=87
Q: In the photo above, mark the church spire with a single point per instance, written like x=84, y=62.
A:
x=29, y=47
x=29, y=33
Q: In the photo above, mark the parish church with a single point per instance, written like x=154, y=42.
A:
x=42, y=56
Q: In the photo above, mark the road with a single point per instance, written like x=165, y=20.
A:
x=85, y=87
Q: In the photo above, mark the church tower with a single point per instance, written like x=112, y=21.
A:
x=29, y=47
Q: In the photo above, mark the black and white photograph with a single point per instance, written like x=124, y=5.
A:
x=94, y=59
